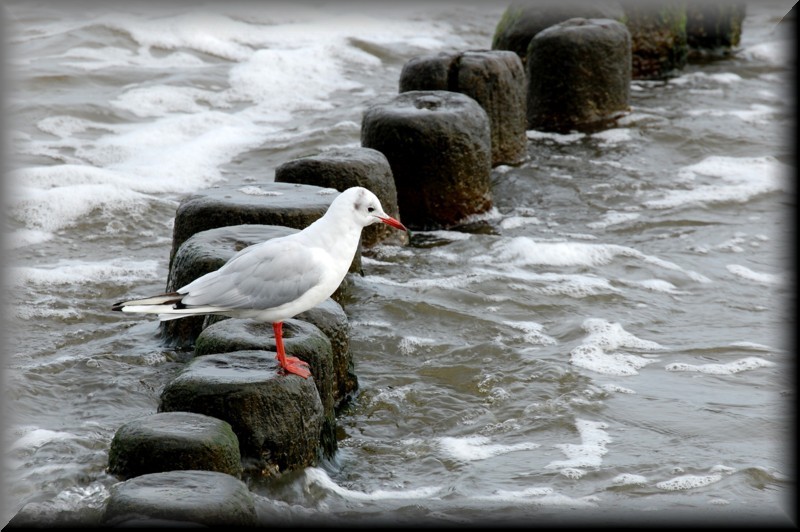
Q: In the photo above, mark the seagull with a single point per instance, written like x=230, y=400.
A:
x=277, y=279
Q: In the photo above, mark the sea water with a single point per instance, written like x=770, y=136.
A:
x=609, y=342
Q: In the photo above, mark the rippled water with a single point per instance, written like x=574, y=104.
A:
x=610, y=341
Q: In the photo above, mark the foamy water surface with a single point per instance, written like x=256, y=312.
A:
x=609, y=341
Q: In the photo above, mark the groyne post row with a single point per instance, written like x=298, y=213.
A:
x=427, y=153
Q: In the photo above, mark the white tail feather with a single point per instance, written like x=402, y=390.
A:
x=167, y=312
x=173, y=314
x=164, y=306
x=146, y=309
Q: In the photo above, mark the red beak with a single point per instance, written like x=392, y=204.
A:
x=394, y=223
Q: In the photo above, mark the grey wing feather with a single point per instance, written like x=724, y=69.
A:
x=262, y=276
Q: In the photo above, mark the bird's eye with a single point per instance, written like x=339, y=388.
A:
x=370, y=209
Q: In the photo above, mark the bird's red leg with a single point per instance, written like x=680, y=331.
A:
x=290, y=364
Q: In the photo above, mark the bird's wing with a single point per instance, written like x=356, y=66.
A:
x=261, y=276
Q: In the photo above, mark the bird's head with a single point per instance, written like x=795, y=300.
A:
x=364, y=207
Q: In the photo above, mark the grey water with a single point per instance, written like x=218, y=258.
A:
x=610, y=343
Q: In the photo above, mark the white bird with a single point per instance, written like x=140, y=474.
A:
x=280, y=278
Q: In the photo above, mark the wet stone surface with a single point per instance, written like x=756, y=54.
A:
x=278, y=418
x=439, y=146
x=179, y=499
x=174, y=441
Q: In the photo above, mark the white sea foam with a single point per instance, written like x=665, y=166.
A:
x=613, y=218
x=629, y=479
x=776, y=52
x=746, y=273
x=26, y=237
x=575, y=285
x=593, y=358
x=202, y=31
x=524, y=251
x=393, y=395
x=615, y=388
x=71, y=501
x=162, y=100
x=277, y=62
x=612, y=336
x=72, y=272
x=295, y=65
x=567, y=138
x=452, y=236
x=719, y=502
x=512, y=222
x=64, y=126
x=730, y=179
x=597, y=353
x=588, y=453
x=703, y=78
x=737, y=366
x=369, y=324
x=33, y=437
x=120, y=170
x=277, y=96
x=176, y=153
x=46, y=178
x=410, y=345
x=533, y=491
x=91, y=59
x=450, y=282
x=48, y=210
x=758, y=113
x=380, y=253
x=687, y=482
x=317, y=477
x=751, y=346
x=445, y=254
x=540, y=496
x=491, y=214
x=479, y=447
x=733, y=244
x=656, y=285
x=37, y=312
x=580, y=236
x=533, y=332
x=235, y=39
x=612, y=137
